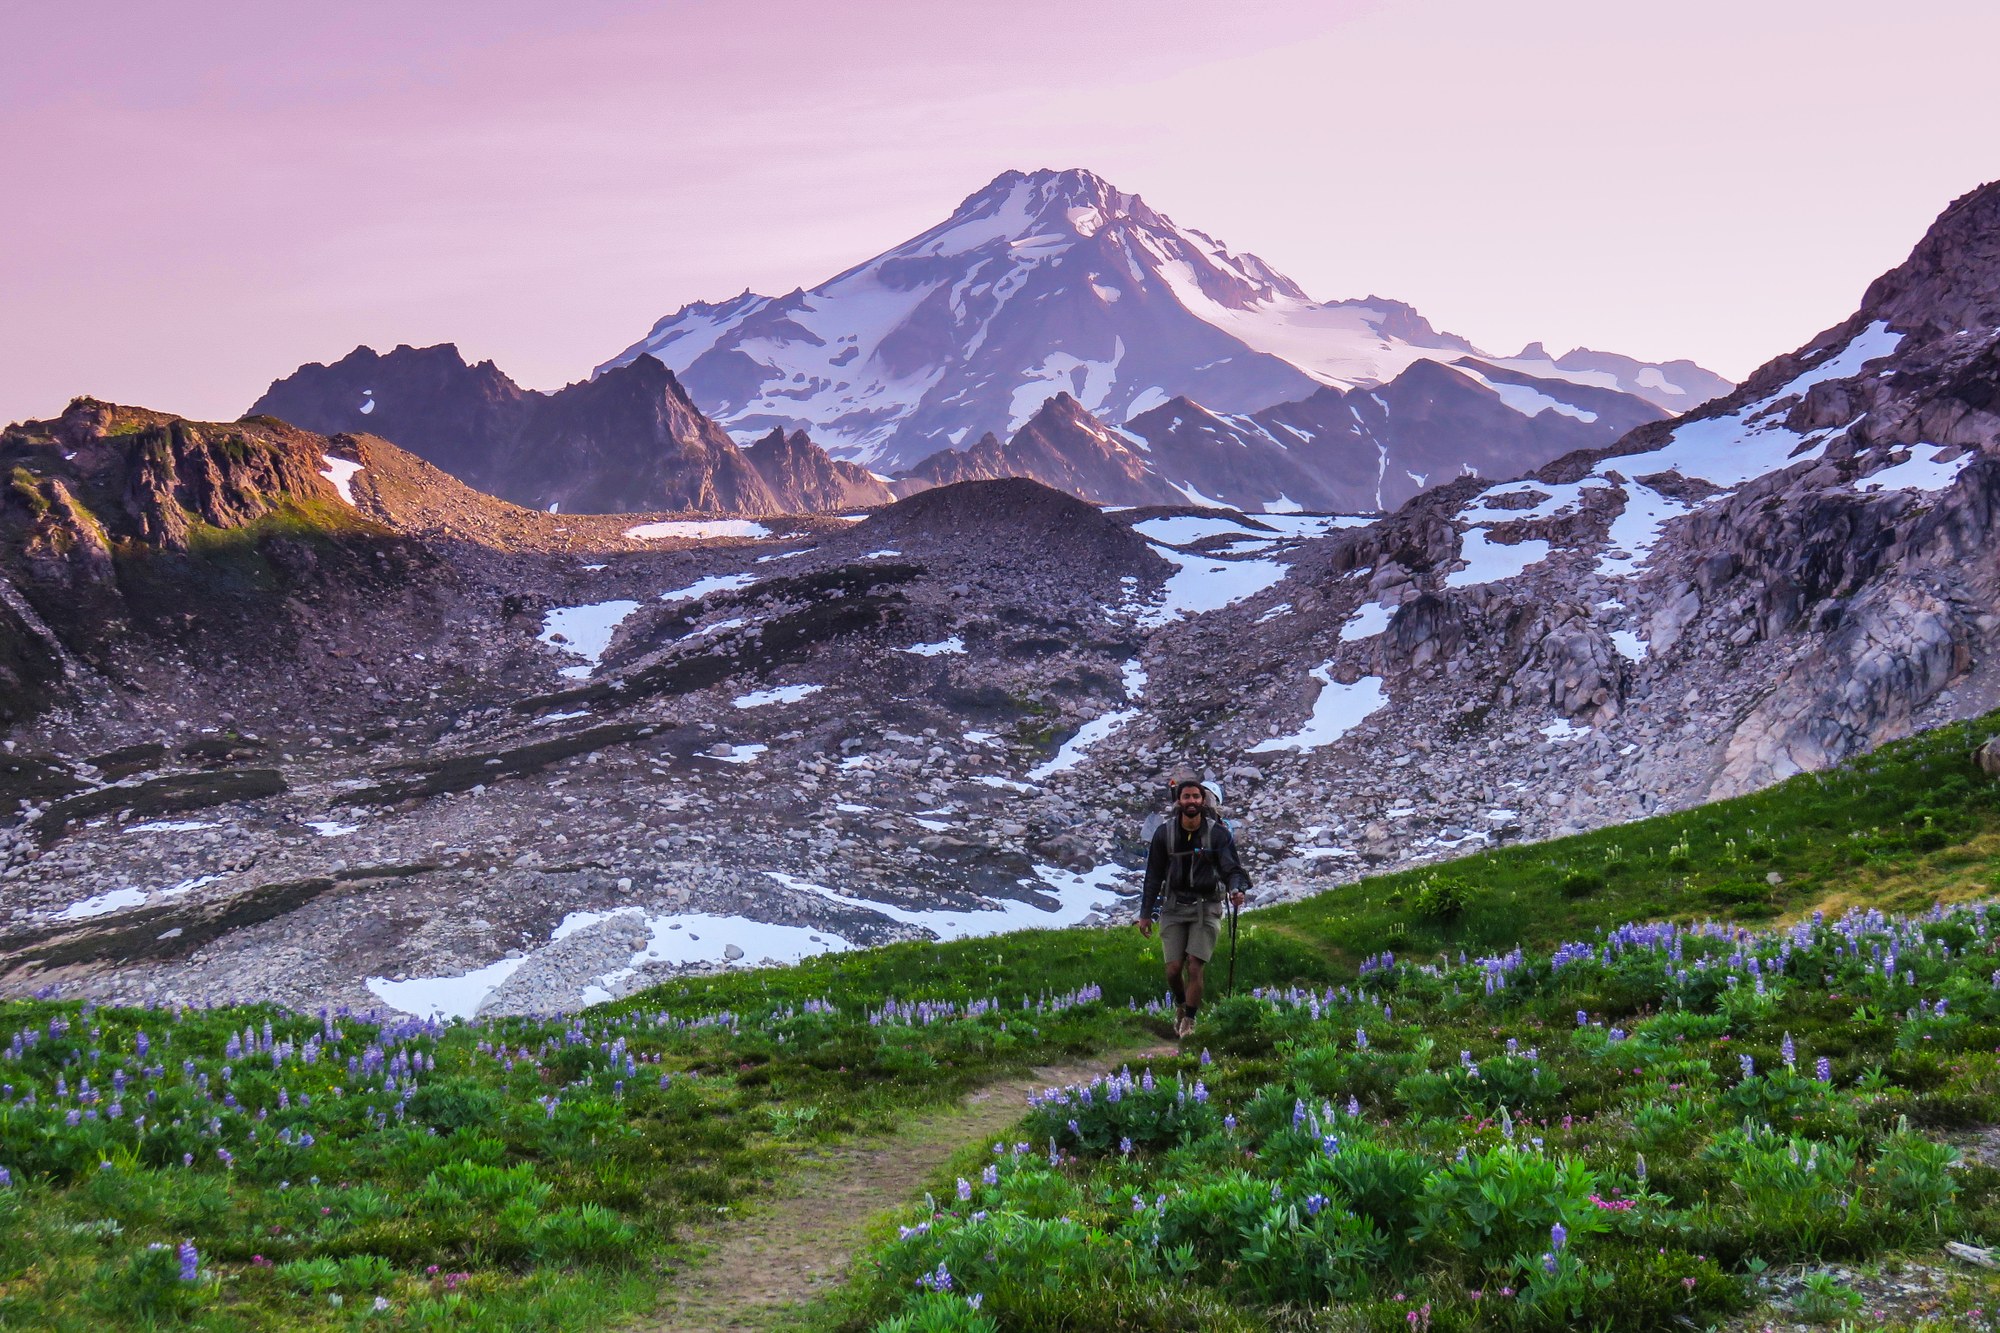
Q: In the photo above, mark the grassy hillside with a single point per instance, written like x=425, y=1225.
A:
x=1367, y=1142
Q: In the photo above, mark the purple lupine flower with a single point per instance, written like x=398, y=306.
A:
x=1549, y=1263
x=1361, y=1039
x=190, y=1262
x=1582, y=1019
x=1204, y=1056
x=6, y=1178
x=1298, y=1112
x=1354, y=1106
x=1314, y=1202
x=1823, y=1070
x=1229, y=1123
x=1558, y=1236
x=1788, y=1052
x=1125, y=1146
x=991, y=1175
x=1749, y=1066
x=1200, y=1091
x=964, y=1190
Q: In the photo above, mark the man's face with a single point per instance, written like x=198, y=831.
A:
x=1189, y=802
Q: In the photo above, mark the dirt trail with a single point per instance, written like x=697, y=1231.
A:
x=796, y=1244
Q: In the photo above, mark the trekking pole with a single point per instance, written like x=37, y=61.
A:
x=1230, y=989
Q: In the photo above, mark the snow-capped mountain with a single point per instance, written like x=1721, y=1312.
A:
x=1051, y=282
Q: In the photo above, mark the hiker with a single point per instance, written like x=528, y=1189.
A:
x=1191, y=859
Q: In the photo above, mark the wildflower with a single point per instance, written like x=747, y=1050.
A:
x=1749, y=1066
x=1125, y=1146
x=1787, y=1052
x=1549, y=1263
x=964, y=1190
x=190, y=1262
x=1361, y=1039
x=1558, y=1236
x=1823, y=1070
x=991, y=1175
x=1229, y=1123
x=1204, y=1056
x=1314, y=1202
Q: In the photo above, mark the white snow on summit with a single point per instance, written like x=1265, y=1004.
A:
x=1044, y=283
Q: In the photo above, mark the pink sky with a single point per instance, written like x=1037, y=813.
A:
x=201, y=197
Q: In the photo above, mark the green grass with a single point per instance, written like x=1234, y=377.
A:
x=544, y=1174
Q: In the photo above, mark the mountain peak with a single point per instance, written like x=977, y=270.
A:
x=1951, y=281
x=1039, y=282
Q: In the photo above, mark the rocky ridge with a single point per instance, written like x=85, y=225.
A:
x=629, y=442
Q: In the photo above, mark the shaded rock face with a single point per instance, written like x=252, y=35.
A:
x=627, y=442
x=427, y=399
x=801, y=472
x=1061, y=446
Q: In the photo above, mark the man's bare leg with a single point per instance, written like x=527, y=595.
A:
x=1191, y=986
x=1175, y=985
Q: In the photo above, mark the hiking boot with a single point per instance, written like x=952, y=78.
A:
x=1183, y=1026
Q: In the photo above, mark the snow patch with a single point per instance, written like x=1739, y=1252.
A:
x=702, y=587
x=1337, y=711
x=698, y=529
x=586, y=631
x=783, y=694
x=340, y=471
x=1917, y=474
x=1629, y=645
x=1366, y=622
x=1487, y=561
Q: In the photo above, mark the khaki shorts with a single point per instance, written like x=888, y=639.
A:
x=1194, y=937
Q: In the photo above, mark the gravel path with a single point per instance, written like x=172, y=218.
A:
x=796, y=1246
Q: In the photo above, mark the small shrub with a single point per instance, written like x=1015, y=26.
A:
x=1442, y=898
x=1580, y=884
x=1822, y=1300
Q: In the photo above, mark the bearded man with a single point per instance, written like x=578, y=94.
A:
x=1190, y=862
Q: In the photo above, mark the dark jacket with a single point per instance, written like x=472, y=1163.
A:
x=1184, y=866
